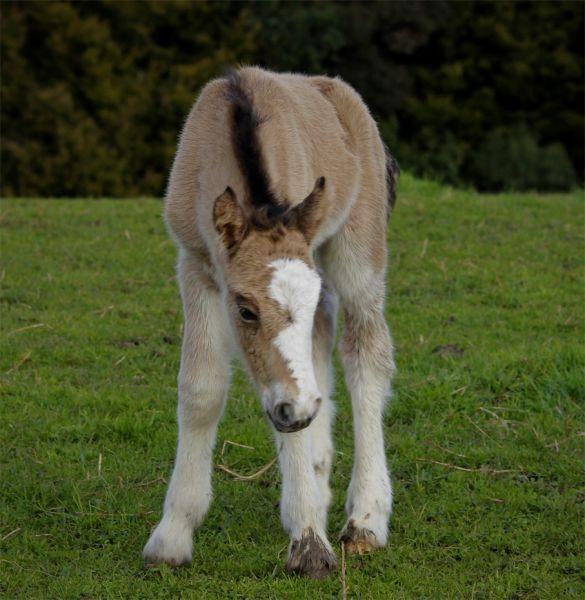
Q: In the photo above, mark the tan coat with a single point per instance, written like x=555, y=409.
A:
x=278, y=198
x=312, y=127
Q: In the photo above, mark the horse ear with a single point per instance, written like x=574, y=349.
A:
x=309, y=212
x=228, y=220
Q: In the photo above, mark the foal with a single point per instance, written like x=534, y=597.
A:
x=278, y=200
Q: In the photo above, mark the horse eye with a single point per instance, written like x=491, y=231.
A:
x=247, y=315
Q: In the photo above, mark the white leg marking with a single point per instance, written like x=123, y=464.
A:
x=322, y=453
x=302, y=514
x=203, y=383
x=368, y=364
x=320, y=429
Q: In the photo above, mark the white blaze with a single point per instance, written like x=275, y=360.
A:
x=296, y=287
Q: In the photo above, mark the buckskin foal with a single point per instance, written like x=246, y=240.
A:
x=278, y=200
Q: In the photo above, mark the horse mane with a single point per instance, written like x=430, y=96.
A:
x=267, y=210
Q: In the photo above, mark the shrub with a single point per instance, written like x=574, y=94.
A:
x=440, y=159
x=93, y=94
x=512, y=159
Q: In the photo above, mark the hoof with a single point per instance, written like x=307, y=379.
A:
x=168, y=547
x=357, y=540
x=310, y=557
x=154, y=560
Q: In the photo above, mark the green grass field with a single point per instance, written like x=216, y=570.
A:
x=484, y=433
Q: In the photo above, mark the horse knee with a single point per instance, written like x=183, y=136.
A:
x=366, y=345
x=200, y=404
x=322, y=463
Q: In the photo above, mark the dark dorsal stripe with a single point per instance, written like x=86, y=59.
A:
x=245, y=124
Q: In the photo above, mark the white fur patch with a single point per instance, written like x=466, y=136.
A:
x=296, y=287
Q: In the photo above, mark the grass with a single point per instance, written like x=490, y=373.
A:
x=484, y=433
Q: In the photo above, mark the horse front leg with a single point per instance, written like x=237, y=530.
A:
x=303, y=513
x=366, y=350
x=320, y=428
x=203, y=384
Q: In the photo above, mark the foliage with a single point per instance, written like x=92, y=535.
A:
x=94, y=93
x=485, y=443
x=513, y=159
x=497, y=65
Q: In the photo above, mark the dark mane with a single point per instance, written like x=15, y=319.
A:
x=244, y=126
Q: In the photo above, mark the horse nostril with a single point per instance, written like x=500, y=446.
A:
x=318, y=402
x=284, y=413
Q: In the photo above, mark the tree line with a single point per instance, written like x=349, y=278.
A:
x=488, y=94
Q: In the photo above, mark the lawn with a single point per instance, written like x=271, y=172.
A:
x=484, y=432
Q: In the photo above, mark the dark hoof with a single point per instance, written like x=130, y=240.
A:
x=310, y=557
x=172, y=561
x=357, y=540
